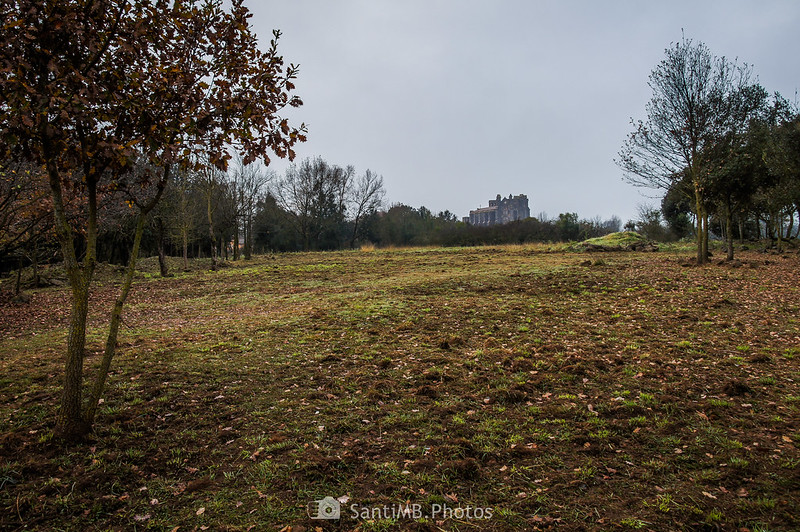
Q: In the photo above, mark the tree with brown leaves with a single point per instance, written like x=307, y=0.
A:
x=116, y=95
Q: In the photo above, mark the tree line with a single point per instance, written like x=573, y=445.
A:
x=249, y=209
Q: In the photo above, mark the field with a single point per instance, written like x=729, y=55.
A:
x=504, y=388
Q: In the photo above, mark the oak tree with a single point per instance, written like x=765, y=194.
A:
x=109, y=95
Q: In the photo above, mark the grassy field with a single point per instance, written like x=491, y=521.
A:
x=502, y=388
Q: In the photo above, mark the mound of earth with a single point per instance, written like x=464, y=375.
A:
x=623, y=241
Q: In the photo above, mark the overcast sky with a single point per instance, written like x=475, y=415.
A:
x=456, y=101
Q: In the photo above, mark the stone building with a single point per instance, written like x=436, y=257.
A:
x=500, y=211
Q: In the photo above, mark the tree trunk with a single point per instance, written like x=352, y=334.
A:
x=113, y=329
x=70, y=425
x=248, y=236
x=702, y=227
x=211, y=233
x=729, y=233
x=69, y=422
x=235, y=238
x=35, y=265
x=355, y=233
x=185, y=237
x=797, y=206
x=740, y=219
x=18, y=283
x=162, y=256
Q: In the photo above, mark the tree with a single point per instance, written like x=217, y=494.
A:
x=733, y=169
x=248, y=182
x=676, y=206
x=212, y=184
x=780, y=153
x=366, y=197
x=183, y=202
x=115, y=95
x=649, y=223
x=568, y=226
x=26, y=221
x=696, y=99
x=25, y=213
x=313, y=194
x=272, y=230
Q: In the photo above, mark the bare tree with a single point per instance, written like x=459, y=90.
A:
x=366, y=197
x=183, y=201
x=313, y=196
x=212, y=183
x=247, y=183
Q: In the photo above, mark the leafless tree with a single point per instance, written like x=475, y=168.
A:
x=313, y=195
x=247, y=185
x=366, y=197
x=211, y=181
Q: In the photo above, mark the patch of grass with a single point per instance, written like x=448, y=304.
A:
x=614, y=240
x=505, y=377
x=719, y=403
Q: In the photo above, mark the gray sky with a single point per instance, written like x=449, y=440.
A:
x=456, y=101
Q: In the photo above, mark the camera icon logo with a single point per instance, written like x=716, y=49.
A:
x=327, y=508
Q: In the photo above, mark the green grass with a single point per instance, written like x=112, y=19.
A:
x=614, y=240
x=511, y=378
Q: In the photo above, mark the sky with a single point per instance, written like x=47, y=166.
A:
x=456, y=101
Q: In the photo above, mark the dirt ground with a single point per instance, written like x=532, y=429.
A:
x=501, y=388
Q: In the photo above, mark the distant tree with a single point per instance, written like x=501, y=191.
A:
x=181, y=215
x=568, y=227
x=697, y=98
x=365, y=198
x=26, y=220
x=734, y=169
x=24, y=206
x=399, y=226
x=313, y=194
x=247, y=184
x=272, y=230
x=114, y=95
x=649, y=223
x=221, y=202
x=780, y=190
x=676, y=207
